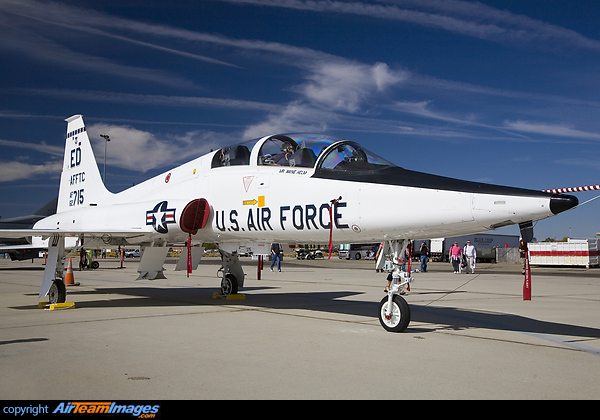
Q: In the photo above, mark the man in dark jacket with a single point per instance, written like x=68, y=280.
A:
x=275, y=256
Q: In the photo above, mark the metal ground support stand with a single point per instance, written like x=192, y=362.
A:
x=394, y=312
x=151, y=262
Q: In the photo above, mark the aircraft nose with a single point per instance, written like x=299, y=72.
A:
x=560, y=203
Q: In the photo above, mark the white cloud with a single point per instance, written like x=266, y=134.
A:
x=333, y=85
x=423, y=109
x=345, y=86
x=13, y=171
x=294, y=117
x=129, y=148
x=550, y=129
x=110, y=26
x=590, y=163
x=467, y=18
x=141, y=151
x=162, y=100
x=50, y=52
x=384, y=77
x=38, y=147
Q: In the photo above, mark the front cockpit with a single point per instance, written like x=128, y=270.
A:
x=347, y=156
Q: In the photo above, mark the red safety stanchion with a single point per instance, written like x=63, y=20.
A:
x=527, y=282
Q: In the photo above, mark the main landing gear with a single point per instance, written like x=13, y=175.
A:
x=229, y=285
x=57, y=292
x=232, y=273
x=394, y=312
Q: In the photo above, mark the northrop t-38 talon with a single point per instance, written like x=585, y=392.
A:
x=291, y=188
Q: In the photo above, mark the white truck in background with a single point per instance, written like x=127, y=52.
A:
x=485, y=244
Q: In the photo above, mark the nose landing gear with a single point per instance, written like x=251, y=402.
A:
x=232, y=272
x=394, y=312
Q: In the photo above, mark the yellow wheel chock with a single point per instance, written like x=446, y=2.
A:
x=236, y=296
x=51, y=307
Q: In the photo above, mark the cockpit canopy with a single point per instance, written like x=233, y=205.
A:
x=303, y=151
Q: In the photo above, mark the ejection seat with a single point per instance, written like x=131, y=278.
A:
x=303, y=157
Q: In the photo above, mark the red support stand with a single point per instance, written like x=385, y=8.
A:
x=527, y=283
x=259, y=267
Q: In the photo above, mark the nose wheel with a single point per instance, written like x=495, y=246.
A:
x=394, y=313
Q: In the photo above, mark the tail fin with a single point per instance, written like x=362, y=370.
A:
x=80, y=181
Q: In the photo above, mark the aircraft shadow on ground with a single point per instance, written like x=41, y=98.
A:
x=439, y=318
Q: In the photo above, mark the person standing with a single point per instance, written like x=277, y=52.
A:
x=455, y=256
x=424, y=250
x=276, y=256
x=471, y=256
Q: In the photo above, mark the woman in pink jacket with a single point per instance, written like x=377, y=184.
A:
x=455, y=255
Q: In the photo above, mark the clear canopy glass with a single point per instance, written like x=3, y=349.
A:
x=304, y=151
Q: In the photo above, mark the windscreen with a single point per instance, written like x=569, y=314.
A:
x=350, y=156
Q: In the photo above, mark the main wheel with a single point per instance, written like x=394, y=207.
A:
x=57, y=292
x=229, y=285
x=399, y=318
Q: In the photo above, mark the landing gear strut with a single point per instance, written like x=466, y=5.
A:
x=394, y=312
x=232, y=272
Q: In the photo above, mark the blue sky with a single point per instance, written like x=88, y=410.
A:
x=505, y=92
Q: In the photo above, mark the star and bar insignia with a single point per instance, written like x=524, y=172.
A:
x=160, y=217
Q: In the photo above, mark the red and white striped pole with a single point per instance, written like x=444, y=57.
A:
x=574, y=189
x=527, y=283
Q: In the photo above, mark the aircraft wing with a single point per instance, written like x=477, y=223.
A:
x=45, y=233
x=22, y=252
x=21, y=233
x=91, y=238
x=6, y=248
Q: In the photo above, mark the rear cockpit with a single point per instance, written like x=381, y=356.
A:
x=303, y=151
x=231, y=156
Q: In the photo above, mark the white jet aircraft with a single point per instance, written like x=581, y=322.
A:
x=291, y=188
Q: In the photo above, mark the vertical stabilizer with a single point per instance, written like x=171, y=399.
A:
x=80, y=183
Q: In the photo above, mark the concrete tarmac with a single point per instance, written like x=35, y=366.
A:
x=309, y=332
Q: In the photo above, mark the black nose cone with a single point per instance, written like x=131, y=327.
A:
x=560, y=203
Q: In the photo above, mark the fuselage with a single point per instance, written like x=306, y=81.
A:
x=280, y=189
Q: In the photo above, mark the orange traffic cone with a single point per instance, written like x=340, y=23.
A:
x=69, y=278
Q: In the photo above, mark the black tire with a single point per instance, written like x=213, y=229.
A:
x=229, y=285
x=57, y=292
x=400, y=317
x=95, y=265
x=357, y=256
